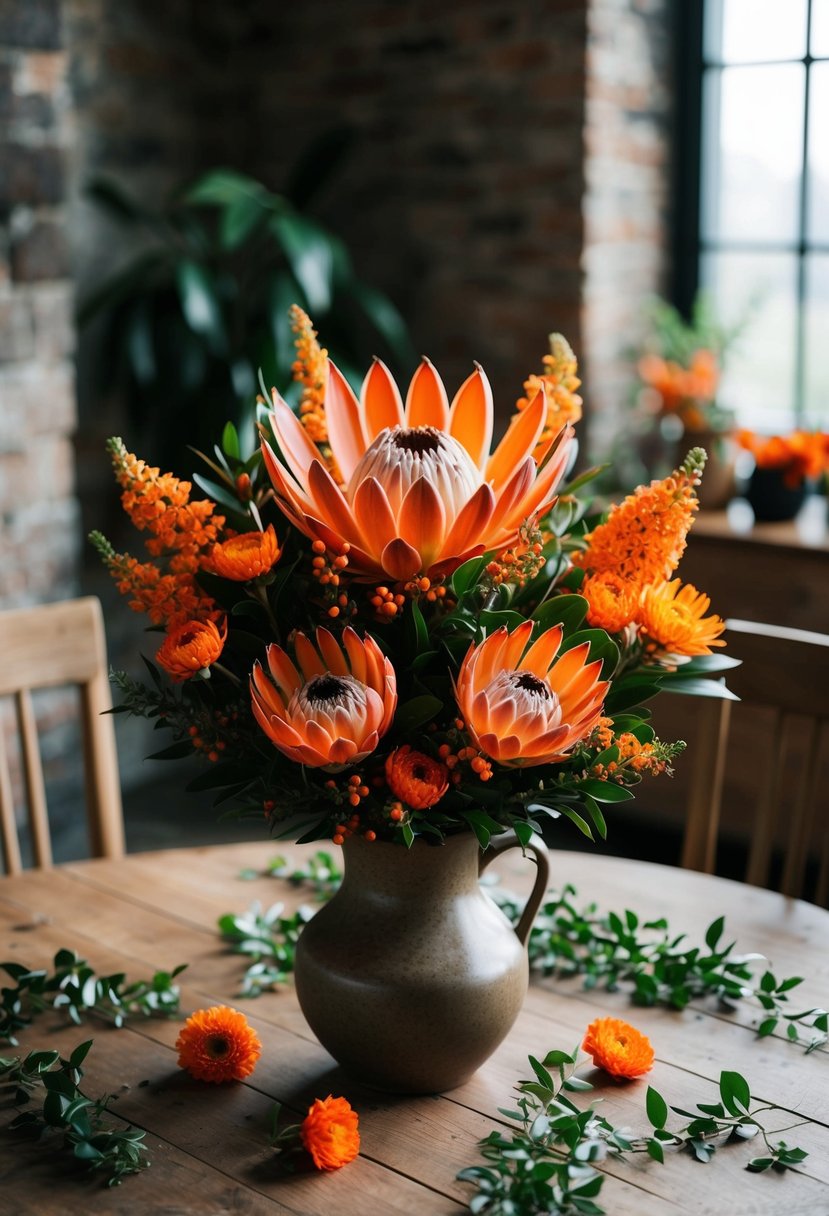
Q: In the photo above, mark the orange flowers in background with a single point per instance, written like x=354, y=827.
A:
x=619, y=1048
x=190, y=648
x=684, y=391
x=217, y=1044
x=802, y=454
x=415, y=778
x=329, y=1132
x=245, y=557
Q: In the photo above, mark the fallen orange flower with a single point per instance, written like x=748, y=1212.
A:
x=330, y=1133
x=190, y=648
x=619, y=1048
x=334, y=707
x=217, y=1044
x=522, y=705
x=415, y=778
x=420, y=494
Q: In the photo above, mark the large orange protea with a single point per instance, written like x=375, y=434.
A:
x=329, y=1132
x=331, y=708
x=619, y=1048
x=421, y=493
x=521, y=705
x=672, y=617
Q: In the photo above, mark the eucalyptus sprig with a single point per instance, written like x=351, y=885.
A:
x=320, y=871
x=268, y=939
x=658, y=966
x=115, y=1150
x=547, y=1163
x=74, y=987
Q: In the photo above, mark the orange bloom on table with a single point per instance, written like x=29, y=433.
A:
x=420, y=492
x=329, y=1132
x=802, y=454
x=522, y=704
x=415, y=778
x=191, y=648
x=245, y=557
x=217, y=1044
x=672, y=615
x=619, y=1048
x=333, y=706
x=612, y=601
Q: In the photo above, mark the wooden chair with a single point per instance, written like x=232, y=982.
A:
x=787, y=672
x=43, y=647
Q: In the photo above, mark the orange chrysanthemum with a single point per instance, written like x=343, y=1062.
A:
x=420, y=492
x=245, y=557
x=330, y=1133
x=190, y=648
x=217, y=1044
x=333, y=707
x=416, y=779
x=672, y=617
x=612, y=600
x=643, y=538
x=522, y=705
x=618, y=1048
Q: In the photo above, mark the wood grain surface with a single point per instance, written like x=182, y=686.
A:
x=209, y=1145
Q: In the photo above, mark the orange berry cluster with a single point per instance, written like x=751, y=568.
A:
x=640, y=757
x=210, y=733
x=522, y=562
x=416, y=587
x=387, y=603
x=327, y=569
x=353, y=794
x=477, y=762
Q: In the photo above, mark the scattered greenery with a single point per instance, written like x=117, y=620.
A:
x=101, y=1145
x=658, y=966
x=320, y=871
x=547, y=1163
x=73, y=987
x=268, y=939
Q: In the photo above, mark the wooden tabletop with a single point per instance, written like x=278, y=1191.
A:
x=209, y=1145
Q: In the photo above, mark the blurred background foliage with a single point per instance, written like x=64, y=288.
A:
x=197, y=318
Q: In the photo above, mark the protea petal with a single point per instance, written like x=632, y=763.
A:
x=426, y=400
x=294, y=444
x=422, y=520
x=470, y=416
x=345, y=427
x=521, y=437
x=401, y=559
x=382, y=404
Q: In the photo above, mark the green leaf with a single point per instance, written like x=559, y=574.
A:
x=714, y=932
x=542, y=1074
x=757, y=1165
x=239, y=219
x=735, y=1093
x=223, y=186
x=524, y=832
x=568, y=611
x=80, y=1053
x=200, y=304
x=466, y=576
x=698, y=688
x=656, y=1151
x=230, y=441
x=604, y=791
x=601, y=647
x=767, y=1027
x=656, y=1107
x=416, y=712
x=308, y=251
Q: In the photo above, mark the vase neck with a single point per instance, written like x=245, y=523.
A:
x=423, y=871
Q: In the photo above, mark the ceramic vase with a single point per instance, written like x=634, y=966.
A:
x=411, y=975
x=770, y=498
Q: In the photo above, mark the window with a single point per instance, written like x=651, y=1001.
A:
x=763, y=220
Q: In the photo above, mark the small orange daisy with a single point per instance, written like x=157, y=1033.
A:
x=618, y=1048
x=217, y=1044
x=245, y=557
x=417, y=779
x=330, y=1133
x=672, y=615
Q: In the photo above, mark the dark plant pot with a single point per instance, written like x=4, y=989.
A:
x=771, y=499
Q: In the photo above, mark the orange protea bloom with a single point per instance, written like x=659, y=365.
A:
x=217, y=1044
x=612, y=600
x=417, y=779
x=618, y=1048
x=331, y=710
x=521, y=706
x=643, y=538
x=330, y=1133
x=245, y=557
x=672, y=616
x=190, y=648
x=421, y=493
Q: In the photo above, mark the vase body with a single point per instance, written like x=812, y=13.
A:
x=770, y=498
x=411, y=976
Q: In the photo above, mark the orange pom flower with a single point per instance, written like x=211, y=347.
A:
x=415, y=778
x=331, y=710
x=521, y=705
x=217, y=1044
x=190, y=648
x=420, y=492
x=672, y=615
x=330, y=1133
x=612, y=600
x=245, y=557
x=618, y=1048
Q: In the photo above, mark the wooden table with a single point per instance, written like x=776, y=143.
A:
x=209, y=1145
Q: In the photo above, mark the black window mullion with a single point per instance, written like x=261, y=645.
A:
x=800, y=314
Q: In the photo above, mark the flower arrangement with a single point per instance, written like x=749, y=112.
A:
x=374, y=625
x=799, y=456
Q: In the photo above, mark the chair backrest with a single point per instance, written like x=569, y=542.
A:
x=784, y=671
x=44, y=647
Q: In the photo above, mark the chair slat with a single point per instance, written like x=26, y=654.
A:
x=33, y=777
x=798, y=824
x=11, y=846
x=762, y=836
x=705, y=796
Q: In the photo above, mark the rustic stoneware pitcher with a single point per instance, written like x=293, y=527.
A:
x=411, y=976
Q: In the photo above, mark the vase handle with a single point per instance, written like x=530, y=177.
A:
x=536, y=846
